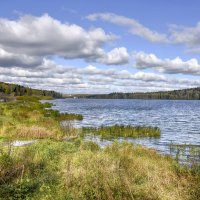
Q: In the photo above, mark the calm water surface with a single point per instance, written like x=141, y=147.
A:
x=179, y=121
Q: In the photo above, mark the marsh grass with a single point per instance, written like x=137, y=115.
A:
x=115, y=131
x=34, y=132
x=82, y=170
x=186, y=153
x=70, y=132
x=62, y=116
x=28, y=118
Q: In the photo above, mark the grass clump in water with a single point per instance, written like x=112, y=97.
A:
x=186, y=153
x=62, y=116
x=115, y=131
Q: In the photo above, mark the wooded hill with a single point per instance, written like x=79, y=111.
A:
x=18, y=90
x=187, y=94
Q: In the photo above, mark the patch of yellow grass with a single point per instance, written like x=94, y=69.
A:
x=123, y=172
x=34, y=132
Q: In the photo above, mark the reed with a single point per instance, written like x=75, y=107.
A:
x=29, y=118
x=82, y=170
x=186, y=154
x=115, y=131
x=62, y=116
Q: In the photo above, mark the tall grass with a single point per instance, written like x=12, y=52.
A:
x=186, y=153
x=115, y=131
x=62, y=116
x=82, y=170
x=28, y=118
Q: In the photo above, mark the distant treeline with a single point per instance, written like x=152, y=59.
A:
x=187, y=94
x=18, y=90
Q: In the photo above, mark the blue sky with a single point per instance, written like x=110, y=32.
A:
x=100, y=46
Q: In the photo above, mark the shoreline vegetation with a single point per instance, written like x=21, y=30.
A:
x=9, y=91
x=55, y=168
x=116, y=131
x=184, y=94
x=27, y=118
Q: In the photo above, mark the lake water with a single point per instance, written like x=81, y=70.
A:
x=179, y=120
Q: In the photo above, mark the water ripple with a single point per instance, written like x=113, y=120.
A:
x=179, y=121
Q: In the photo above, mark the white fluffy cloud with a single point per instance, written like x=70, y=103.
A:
x=134, y=26
x=90, y=79
x=117, y=56
x=171, y=66
x=46, y=36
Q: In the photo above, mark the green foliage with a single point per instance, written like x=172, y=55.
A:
x=28, y=118
x=62, y=116
x=115, y=131
x=18, y=90
x=187, y=94
x=47, y=105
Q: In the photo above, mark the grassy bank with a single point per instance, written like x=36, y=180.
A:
x=109, y=132
x=27, y=118
x=81, y=170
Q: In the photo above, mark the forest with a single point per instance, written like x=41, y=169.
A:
x=184, y=94
x=18, y=90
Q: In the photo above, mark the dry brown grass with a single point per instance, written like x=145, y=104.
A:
x=82, y=171
x=28, y=120
x=123, y=172
x=34, y=132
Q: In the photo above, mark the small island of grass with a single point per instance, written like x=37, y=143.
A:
x=115, y=131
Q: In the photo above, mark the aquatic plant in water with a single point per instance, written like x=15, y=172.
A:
x=115, y=131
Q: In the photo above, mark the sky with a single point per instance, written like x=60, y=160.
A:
x=92, y=46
